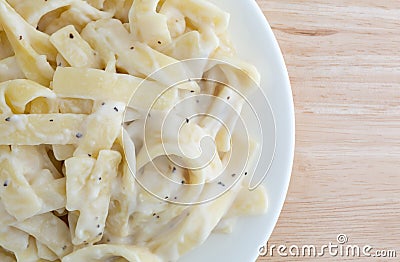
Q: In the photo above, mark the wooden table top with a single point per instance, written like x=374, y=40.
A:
x=343, y=59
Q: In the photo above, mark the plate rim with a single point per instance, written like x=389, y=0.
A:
x=290, y=123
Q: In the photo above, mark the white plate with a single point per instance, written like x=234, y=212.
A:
x=255, y=42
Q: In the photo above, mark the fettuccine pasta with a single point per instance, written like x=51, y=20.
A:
x=76, y=90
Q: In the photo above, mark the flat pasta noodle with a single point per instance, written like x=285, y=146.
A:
x=84, y=84
x=99, y=43
x=43, y=105
x=147, y=24
x=38, y=40
x=240, y=75
x=203, y=15
x=102, y=128
x=19, y=198
x=51, y=191
x=120, y=9
x=50, y=231
x=63, y=152
x=48, y=162
x=19, y=93
x=31, y=47
x=122, y=205
x=37, y=129
x=42, y=191
x=192, y=44
x=93, y=182
x=79, y=13
x=76, y=51
x=154, y=61
x=32, y=11
x=244, y=203
x=67, y=105
x=191, y=231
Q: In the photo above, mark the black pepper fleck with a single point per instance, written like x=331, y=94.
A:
x=158, y=216
x=99, y=234
x=187, y=120
x=220, y=183
x=191, y=91
x=245, y=173
x=228, y=98
x=71, y=36
x=89, y=155
x=98, y=226
x=173, y=169
x=5, y=183
x=166, y=197
x=8, y=119
x=159, y=42
x=99, y=178
x=132, y=47
x=64, y=247
x=233, y=175
x=197, y=101
x=116, y=109
x=79, y=135
x=59, y=64
x=103, y=103
x=51, y=120
x=175, y=198
x=183, y=182
x=154, y=214
x=20, y=37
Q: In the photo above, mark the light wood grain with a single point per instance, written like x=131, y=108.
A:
x=343, y=59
